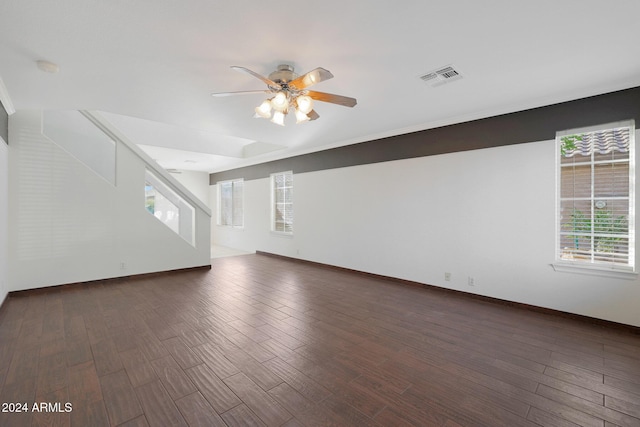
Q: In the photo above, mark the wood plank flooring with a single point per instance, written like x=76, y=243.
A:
x=265, y=341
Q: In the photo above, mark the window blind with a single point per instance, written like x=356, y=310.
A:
x=596, y=215
x=282, y=201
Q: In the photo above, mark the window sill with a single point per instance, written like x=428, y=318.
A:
x=231, y=227
x=594, y=270
x=281, y=233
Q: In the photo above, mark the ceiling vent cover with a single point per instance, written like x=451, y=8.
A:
x=441, y=76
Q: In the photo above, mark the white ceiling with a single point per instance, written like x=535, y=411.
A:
x=151, y=65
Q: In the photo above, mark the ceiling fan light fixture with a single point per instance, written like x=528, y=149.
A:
x=278, y=118
x=288, y=91
x=311, y=78
x=280, y=102
x=301, y=117
x=264, y=109
x=305, y=103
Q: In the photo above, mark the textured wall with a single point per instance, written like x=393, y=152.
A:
x=68, y=224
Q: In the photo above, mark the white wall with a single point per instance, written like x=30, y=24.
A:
x=196, y=182
x=4, y=218
x=67, y=224
x=486, y=213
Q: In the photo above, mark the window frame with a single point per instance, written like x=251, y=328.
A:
x=274, y=204
x=219, y=213
x=590, y=266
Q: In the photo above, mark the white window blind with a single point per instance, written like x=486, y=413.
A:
x=282, y=202
x=596, y=219
x=230, y=203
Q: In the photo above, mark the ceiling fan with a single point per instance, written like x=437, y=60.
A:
x=290, y=91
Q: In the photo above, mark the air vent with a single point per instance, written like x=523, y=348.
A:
x=441, y=76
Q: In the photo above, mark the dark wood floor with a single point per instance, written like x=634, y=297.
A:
x=261, y=341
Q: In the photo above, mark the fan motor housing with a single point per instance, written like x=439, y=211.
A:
x=283, y=74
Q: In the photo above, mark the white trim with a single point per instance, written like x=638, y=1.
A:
x=6, y=99
x=594, y=271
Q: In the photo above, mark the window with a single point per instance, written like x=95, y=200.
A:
x=595, y=205
x=230, y=206
x=168, y=207
x=282, y=202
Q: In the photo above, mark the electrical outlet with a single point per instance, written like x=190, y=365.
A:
x=447, y=277
x=123, y=266
x=472, y=281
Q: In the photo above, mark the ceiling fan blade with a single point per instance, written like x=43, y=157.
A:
x=267, y=81
x=244, y=92
x=334, y=99
x=312, y=77
x=313, y=115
